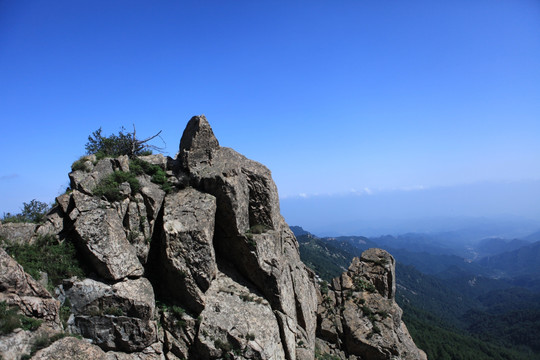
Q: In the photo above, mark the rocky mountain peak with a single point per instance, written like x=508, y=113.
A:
x=190, y=258
x=197, y=142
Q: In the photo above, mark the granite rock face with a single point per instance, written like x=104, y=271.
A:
x=116, y=317
x=71, y=348
x=18, y=232
x=187, y=252
x=358, y=315
x=251, y=233
x=100, y=233
x=195, y=261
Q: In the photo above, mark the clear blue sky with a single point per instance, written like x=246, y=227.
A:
x=334, y=97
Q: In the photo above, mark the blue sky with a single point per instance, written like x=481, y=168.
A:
x=334, y=97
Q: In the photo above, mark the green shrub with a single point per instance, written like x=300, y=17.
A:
x=11, y=320
x=255, y=229
x=80, y=165
x=112, y=310
x=28, y=323
x=110, y=146
x=32, y=212
x=258, y=229
x=58, y=259
x=324, y=356
x=177, y=311
x=247, y=298
x=65, y=312
x=362, y=284
x=159, y=176
x=367, y=311
x=110, y=186
x=223, y=346
x=324, y=287
x=125, y=143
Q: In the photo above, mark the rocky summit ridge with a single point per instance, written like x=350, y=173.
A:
x=205, y=268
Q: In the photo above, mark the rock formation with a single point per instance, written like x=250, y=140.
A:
x=358, y=316
x=201, y=266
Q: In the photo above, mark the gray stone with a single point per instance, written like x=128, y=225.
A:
x=63, y=202
x=152, y=352
x=156, y=159
x=85, y=181
x=138, y=227
x=53, y=225
x=100, y=234
x=188, y=258
x=116, y=317
x=70, y=348
x=13, y=345
x=153, y=199
x=237, y=318
x=20, y=233
x=197, y=143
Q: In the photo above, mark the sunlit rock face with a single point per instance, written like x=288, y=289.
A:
x=358, y=315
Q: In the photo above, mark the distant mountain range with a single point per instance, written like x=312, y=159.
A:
x=488, y=308
x=437, y=254
x=524, y=260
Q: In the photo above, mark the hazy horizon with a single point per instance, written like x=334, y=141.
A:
x=504, y=209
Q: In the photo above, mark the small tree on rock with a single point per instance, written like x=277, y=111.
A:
x=33, y=212
x=125, y=143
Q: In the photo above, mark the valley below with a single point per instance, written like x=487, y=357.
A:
x=461, y=300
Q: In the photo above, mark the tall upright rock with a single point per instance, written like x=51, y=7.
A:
x=358, y=315
x=251, y=235
x=193, y=260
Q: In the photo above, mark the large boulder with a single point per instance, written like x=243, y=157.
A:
x=70, y=348
x=152, y=352
x=187, y=259
x=20, y=233
x=116, y=317
x=138, y=227
x=100, y=235
x=237, y=320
